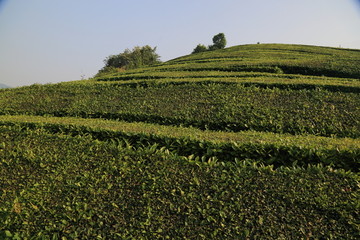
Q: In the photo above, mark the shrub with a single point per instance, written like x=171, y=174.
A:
x=200, y=48
x=219, y=41
x=130, y=59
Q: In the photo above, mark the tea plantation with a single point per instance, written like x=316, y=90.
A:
x=248, y=142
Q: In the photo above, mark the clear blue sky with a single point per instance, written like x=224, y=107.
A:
x=48, y=41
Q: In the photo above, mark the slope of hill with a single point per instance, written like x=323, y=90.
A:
x=271, y=58
x=249, y=142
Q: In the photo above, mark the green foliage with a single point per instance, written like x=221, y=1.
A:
x=219, y=41
x=289, y=151
x=292, y=59
x=107, y=70
x=214, y=106
x=131, y=59
x=112, y=191
x=200, y=48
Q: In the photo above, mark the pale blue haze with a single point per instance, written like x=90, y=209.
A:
x=48, y=41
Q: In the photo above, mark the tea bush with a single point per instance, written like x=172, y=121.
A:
x=215, y=106
x=50, y=191
x=323, y=151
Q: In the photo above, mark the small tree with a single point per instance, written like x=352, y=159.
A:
x=199, y=48
x=219, y=41
x=117, y=61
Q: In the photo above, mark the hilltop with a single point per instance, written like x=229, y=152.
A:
x=270, y=58
x=248, y=142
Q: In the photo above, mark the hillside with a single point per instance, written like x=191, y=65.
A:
x=249, y=142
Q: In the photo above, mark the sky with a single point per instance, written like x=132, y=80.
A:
x=50, y=41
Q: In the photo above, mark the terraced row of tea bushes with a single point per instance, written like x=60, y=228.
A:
x=193, y=72
x=268, y=153
x=136, y=74
x=314, y=68
x=303, y=141
x=231, y=107
x=293, y=82
x=50, y=191
x=205, y=73
x=292, y=59
x=274, y=51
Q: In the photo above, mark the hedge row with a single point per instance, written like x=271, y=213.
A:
x=205, y=125
x=61, y=187
x=231, y=107
x=275, y=154
x=266, y=83
x=246, y=79
x=307, y=60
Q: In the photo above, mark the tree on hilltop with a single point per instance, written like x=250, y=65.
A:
x=219, y=42
x=200, y=48
x=130, y=59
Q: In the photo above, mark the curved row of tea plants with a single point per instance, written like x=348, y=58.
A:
x=266, y=80
x=291, y=59
x=57, y=186
x=267, y=148
x=206, y=105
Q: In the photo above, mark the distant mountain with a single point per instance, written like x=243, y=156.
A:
x=3, y=86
